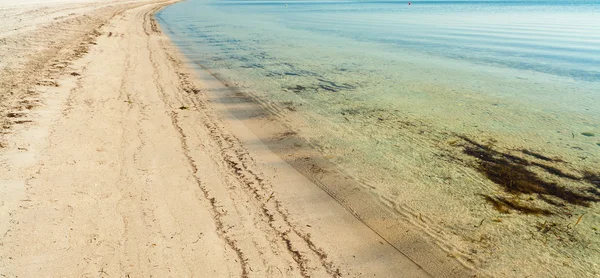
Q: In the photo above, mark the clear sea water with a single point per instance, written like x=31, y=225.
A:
x=506, y=63
x=523, y=73
x=384, y=88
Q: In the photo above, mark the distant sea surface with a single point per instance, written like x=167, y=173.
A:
x=530, y=56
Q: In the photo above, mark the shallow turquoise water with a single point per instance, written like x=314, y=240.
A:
x=556, y=37
x=386, y=91
x=521, y=72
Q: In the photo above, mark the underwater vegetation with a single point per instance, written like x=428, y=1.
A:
x=321, y=85
x=517, y=177
x=504, y=205
x=539, y=156
x=592, y=178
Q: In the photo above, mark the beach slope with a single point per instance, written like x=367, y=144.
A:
x=114, y=163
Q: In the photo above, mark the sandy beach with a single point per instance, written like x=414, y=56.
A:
x=118, y=160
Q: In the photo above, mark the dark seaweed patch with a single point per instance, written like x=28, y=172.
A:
x=504, y=205
x=328, y=88
x=550, y=169
x=555, y=171
x=551, y=201
x=239, y=57
x=272, y=74
x=538, y=156
x=332, y=86
x=488, y=153
x=297, y=89
x=513, y=175
x=592, y=178
x=252, y=66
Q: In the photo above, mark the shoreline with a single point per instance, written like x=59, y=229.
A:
x=396, y=227
x=425, y=247
x=129, y=165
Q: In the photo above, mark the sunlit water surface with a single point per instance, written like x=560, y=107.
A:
x=384, y=88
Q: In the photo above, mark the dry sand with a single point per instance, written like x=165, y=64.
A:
x=116, y=162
